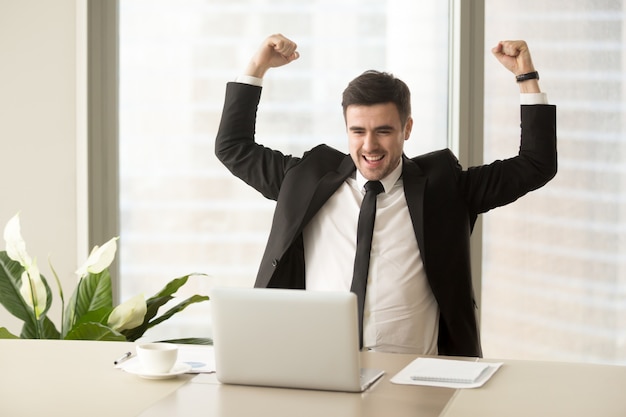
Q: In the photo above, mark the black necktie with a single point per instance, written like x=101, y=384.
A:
x=364, y=233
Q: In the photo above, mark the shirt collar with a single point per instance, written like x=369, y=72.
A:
x=388, y=182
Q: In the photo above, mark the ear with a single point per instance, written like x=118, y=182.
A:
x=408, y=127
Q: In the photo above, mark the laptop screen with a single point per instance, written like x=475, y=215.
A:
x=286, y=338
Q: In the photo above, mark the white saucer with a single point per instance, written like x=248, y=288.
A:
x=178, y=369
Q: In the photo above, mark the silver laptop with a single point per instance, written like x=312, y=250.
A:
x=288, y=338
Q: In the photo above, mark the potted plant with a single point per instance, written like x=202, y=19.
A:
x=89, y=314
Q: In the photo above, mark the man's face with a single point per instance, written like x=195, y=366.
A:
x=376, y=138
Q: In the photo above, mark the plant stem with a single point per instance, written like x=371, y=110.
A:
x=38, y=329
x=56, y=277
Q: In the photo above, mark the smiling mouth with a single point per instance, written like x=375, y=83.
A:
x=373, y=158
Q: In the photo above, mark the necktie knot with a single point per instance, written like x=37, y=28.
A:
x=374, y=186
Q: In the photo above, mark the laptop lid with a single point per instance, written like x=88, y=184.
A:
x=287, y=338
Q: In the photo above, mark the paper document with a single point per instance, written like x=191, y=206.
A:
x=446, y=373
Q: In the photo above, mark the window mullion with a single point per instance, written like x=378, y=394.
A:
x=466, y=101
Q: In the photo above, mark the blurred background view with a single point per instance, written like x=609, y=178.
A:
x=553, y=263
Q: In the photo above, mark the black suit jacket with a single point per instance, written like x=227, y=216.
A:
x=443, y=201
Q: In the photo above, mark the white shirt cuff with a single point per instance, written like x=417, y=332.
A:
x=248, y=79
x=533, y=98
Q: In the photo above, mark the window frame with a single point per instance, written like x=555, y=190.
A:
x=103, y=127
x=465, y=114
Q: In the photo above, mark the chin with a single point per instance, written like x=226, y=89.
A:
x=372, y=176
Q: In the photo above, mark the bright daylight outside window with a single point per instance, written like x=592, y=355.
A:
x=181, y=210
x=554, y=267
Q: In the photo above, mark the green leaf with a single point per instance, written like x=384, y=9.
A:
x=137, y=332
x=94, y=331
x=178, y=308
x=95, y=293
x=164, y=296
x=10, y=296
x=95, y=316
x=48, y=295
x=92, y=293
x=157, y=301
x=170, y=288
x=46, y=330
x=5, y=334
x=189, y=341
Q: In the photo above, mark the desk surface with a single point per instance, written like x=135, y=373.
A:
x=534, y=388
x=211, y=398
x=73, y=378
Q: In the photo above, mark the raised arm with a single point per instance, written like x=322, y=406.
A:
x=503, y=181
x=259, y=166
x=515, y=56
x=275, y=51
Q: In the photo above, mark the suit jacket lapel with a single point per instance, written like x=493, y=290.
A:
x=327, y=185
x=414, y=188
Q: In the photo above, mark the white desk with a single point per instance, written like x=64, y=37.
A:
x=534, y=388
x=73, y=378
x=45, y=377
x=382, y=399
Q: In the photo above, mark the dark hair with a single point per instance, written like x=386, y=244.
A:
x=375, y=87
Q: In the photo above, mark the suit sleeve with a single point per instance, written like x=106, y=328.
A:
x=260, y=167
x=504, y=181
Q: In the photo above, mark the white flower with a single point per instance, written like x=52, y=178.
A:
x=33, y=290
x=129, y=314
x=15, y=245
x=99, y=259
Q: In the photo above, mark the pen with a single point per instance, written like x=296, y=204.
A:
x=122, y=358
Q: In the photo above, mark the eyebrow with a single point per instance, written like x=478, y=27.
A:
x=381, y=127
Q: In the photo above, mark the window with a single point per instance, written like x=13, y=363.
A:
x=554, y=263
x=180, y=209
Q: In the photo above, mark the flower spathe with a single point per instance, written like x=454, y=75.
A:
x=129, y=314
x=99, y=259
x=15, y=245
x=32, y=289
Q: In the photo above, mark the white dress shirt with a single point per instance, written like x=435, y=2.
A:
x=400, y=313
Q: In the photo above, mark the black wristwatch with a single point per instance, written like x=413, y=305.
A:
x=528, y=76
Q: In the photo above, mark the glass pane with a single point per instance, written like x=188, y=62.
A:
x=554, y=267
x=181, y=210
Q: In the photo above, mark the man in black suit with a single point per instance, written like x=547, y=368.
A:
x=419, y=296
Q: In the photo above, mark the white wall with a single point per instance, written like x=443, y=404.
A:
x=42, y=135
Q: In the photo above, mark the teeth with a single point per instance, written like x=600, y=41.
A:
x=373, y=158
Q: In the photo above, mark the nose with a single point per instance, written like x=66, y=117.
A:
x=369, y=142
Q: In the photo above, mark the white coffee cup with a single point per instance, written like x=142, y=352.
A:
x=157, y=358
